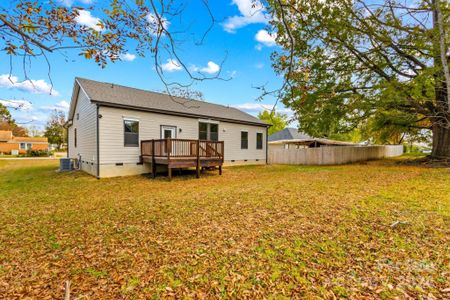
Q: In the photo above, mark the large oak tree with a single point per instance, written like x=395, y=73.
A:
x=350, y=62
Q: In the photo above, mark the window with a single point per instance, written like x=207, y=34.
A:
x=23, y=146
x=202, y=131
x=131, y=133
x=214, y=132
x=75, y=137
x=244, y=140
x=29, y=146
x=259, y=140
x=208, y=131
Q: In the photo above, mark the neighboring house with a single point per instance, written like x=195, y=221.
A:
x=291, y=138
x=288, y=134
x=107, y=124
x=10, y=144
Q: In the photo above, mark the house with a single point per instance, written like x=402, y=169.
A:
x=10, y=144
x=115, y=130
x=291, y=138
x=288, y=134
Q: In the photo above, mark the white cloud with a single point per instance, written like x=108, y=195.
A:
x=232, y=74
x=171, y=65
x=211, y=68
x=67, y=2
x=259, y=65
x=31, y=86
x=35, y=118
x=127, y=57
x=155, y=25
x=62, y=105
x=266, y=38
x=22, y=104
x=86, y=19
x=254, y=108
x=252, y=12
x=70, y=2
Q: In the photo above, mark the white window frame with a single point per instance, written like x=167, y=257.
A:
x=124, y=119
x=240, y=138
x=262, y=140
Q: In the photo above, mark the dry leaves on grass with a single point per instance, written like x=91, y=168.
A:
x=263, y=231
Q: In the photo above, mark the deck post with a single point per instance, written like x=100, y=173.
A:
x=198, y=160
x=168, y=150
x=153, y=160
x=220, y=170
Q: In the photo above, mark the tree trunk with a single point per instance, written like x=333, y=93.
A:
x=441, y=141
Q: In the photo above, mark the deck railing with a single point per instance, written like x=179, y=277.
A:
x=182, y=148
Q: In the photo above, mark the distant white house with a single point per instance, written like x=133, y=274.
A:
x=115, y=130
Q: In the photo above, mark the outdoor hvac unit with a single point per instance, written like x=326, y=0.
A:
x=65, y=164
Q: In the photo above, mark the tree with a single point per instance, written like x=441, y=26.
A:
x=39, y=28
x=8, y=123
x=5, y=115
x=33, y=130
x=352, y=64
x=277, y=120
x=54, y=130
x=186, y=93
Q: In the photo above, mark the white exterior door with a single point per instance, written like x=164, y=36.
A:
x=168, y=132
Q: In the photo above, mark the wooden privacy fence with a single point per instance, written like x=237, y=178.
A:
x=332, y=155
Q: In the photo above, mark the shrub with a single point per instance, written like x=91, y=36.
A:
x=37, y=153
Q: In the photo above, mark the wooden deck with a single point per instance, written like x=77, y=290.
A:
x=182, y=153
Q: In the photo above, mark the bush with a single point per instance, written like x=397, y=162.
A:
x=37, y=153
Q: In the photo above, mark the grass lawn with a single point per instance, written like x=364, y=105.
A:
x=261, y=231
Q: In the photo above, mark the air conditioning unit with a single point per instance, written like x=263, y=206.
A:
x=65, y=164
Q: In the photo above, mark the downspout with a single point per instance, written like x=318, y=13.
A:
x=98, y=144
x=67, y=142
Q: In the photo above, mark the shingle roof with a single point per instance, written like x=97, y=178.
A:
x=30, y=139
x=288, y=134
x=127, y=97
x=5, y=135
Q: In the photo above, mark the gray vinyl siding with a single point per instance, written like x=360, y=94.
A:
x=112, y=149
x=86, y=133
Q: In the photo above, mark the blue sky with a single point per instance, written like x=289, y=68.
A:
x=239, y=36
